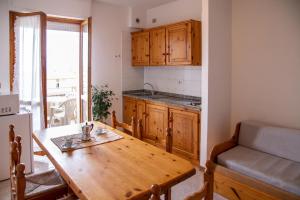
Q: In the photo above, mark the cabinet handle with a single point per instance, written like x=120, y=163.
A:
x=147, y=55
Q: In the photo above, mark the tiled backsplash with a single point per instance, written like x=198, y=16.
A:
x=181, y=80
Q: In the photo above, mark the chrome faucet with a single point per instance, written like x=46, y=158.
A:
x=152, y=88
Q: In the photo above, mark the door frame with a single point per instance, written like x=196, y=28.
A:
x=89, y=95
x=12, y=52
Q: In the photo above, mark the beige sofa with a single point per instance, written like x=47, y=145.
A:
x=261, y=161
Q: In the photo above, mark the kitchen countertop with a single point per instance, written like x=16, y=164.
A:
x=184, y=101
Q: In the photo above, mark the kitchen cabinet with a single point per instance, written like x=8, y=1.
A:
x=156, y=124
x=183, y=48
x=156, y=117
x=140, y=48
x=175, y=44
x=185, y=126
x=158, y=46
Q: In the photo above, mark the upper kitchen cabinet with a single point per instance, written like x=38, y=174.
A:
x=158, y=46
x=140, y=48
x=172, y=45
x=183, y=43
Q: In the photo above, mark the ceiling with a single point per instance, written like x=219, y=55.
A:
x=133, y=3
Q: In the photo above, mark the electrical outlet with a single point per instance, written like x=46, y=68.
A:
x=179, y=82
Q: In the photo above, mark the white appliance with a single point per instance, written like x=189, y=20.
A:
x=9, y=104
x=23, y=127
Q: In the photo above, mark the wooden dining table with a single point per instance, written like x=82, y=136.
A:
x=122, y=169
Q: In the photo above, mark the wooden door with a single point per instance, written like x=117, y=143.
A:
x=185, y=127
x=179, y=39
x=156, y=124
x=141, y=113
x=140, y=48
x=129, y=110
x=158, y=46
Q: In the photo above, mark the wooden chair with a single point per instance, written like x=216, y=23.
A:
x=43, y=186
x=208, y=184
x=130, y=129
x=155, y=192
x=201, y=194
x=140, y=129
x=155, y=189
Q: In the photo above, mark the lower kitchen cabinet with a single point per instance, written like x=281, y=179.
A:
x=156, y=124
x=156, y=118
x=185, y=126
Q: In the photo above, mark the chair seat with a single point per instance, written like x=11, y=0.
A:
x=276, y=171
x=44, y=183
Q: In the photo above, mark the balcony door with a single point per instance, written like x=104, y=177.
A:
x=68, y=71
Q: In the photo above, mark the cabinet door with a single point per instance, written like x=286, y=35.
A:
x=178, y=38
x=158, y=46
x=185, y=127
x=129, y=109
x=141, y=113
x=156, y=124
x=140, y=48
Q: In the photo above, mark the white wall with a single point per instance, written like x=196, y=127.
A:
x=174, y=12
x=4, y=46
x=181, y=80
x=139, y=12
x=111, y=58
x=216, y=75
x=266, y=61
x=69, y=8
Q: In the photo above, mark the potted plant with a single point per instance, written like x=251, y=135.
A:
x=102, y=98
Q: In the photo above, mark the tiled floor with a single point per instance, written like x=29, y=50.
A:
x=179, y=192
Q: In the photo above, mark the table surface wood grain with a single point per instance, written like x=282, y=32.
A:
x=122, y=169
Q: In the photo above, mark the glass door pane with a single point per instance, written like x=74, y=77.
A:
x=62, y=73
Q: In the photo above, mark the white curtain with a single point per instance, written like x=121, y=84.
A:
x=28, y=67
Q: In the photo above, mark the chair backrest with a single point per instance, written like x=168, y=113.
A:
x=282, y=142
x=131, y=129
x=155, y=192
x=17, y=169
x=169, y=140
x=70, y=109
x=140, y=129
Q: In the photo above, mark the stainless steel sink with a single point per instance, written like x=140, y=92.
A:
x=156, y=96
x=149, y=95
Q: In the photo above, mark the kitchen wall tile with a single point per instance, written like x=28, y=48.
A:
x=182, y=80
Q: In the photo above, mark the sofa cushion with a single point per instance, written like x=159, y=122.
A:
x=279, y=172
x=282, y=142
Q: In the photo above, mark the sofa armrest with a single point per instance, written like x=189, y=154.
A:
x=220, y=148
